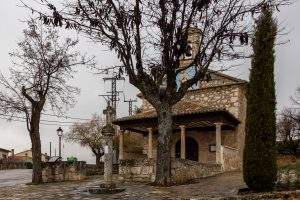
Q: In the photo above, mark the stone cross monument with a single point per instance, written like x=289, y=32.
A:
x=108, y=131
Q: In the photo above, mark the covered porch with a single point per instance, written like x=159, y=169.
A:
x=186, y=123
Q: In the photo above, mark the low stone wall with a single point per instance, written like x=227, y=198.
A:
x=62, y=171
x=184, y=171
x=137, y=170
x=4, y=165
x=92, y=169
x=231, y=160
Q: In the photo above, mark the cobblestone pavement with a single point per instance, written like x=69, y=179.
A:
x=13, y=177
x=222, y=185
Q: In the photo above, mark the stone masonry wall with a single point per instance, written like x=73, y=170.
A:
x=7, y=164
x=62, y=171
x=137, y=170
x=92, y=169
x=231, y=158
x=182, y=171
x=222, y=97
x=240, y=131
x=133, y=146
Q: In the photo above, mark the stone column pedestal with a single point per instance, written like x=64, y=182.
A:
x=108, y=161
x=218, y=143
x=150, y=143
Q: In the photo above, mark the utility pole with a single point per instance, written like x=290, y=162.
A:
x=130, y=105
x=112, y=97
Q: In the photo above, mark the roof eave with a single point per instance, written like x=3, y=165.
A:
x=132, y=118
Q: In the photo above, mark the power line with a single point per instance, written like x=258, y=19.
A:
x=67, y=117
x=44, y=120
x=58, y=116
x=17, y=120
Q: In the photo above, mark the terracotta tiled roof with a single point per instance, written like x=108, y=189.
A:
x=181, y=108
x=28, y=150
x=219, y=73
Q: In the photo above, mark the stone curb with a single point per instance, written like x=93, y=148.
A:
x=258, y=196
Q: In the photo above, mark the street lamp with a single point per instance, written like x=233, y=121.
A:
x=59, y=134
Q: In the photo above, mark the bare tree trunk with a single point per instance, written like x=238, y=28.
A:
x=98, y=157
x=36, y=149
x=163, y=164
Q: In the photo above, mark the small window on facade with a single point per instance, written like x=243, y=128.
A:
x=212, y=148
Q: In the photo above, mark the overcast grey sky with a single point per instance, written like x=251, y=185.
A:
x=14, y=134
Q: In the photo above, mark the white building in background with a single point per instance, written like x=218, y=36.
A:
x=3, y=153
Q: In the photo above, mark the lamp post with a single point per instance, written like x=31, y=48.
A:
x=59, y=134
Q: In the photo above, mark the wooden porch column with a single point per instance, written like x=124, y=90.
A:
x=182, y=139
x=121, y=145
x=218, y=143
x=150, y=143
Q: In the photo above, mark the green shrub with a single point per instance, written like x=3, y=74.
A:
x=71, y=160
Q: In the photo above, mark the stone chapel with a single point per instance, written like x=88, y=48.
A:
x=208, y=130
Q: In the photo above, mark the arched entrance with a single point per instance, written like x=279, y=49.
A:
x=191, y=149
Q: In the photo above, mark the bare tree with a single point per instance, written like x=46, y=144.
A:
x=288, y=131
x=296, y=110
x=89, y=134
x=150, y=38
x=288, y=126
x=296, y=97
x=38, y=80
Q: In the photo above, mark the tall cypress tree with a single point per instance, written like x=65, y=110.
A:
x=260, y=154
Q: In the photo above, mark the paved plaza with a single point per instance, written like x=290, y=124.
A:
x=14, y=177
x=222, y=185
